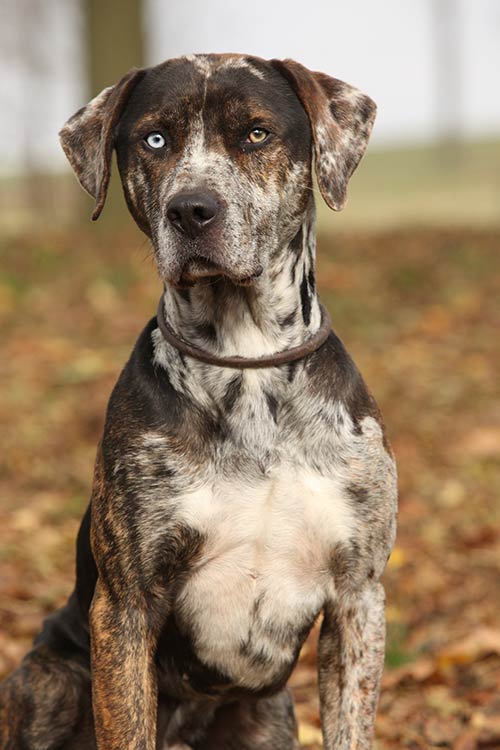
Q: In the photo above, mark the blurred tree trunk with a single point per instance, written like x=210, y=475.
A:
x=448, y=49
x=26, y=45
x=114, y=44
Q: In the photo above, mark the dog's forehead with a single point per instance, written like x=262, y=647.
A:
x=214, y=85
x=209, y=65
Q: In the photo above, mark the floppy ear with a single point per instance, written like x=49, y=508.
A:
x=341, y=119
x=88, y=137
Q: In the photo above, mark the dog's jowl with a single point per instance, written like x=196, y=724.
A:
x=243, y=484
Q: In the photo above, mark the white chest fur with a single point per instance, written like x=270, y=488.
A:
x=264, y=571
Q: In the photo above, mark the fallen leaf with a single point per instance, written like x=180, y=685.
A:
x=397, y=558
x=482, y=442
x=466, y=741
x=310, y=735
x=417, y=671
x=480, y=642
x=442, y=731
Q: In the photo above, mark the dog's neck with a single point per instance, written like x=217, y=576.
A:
x=278, y=311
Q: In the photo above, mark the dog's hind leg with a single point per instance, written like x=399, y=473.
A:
x=46, y=704
x=250, y=724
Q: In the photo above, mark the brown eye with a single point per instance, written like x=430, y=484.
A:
x=258, y=135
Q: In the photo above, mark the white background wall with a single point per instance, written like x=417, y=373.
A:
x=386, y=48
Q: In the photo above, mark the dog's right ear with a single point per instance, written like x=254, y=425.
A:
x=341, y=119
x=88, y=137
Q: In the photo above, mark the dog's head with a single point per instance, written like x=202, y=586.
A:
x=214, y=153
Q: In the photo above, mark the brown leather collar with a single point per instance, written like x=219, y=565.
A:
x=272, y=360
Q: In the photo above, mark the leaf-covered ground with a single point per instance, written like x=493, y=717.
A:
x=419, y=311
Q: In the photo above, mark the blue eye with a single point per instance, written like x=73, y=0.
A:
x=155, y=140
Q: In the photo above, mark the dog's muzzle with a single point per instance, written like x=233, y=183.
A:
x=197, y=243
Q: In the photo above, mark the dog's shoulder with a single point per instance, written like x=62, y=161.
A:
x=143, y=396
x=149, y=420
x=351, y=441
x=334, y=377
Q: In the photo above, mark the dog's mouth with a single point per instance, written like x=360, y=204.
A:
x=198, y=268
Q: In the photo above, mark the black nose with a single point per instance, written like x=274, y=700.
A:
x=191, y=213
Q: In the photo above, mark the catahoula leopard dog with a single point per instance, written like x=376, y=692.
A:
x=243, y=483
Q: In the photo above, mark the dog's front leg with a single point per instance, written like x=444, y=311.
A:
x=350, y=662
x=124, y=689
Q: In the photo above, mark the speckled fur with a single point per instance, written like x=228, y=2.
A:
x=230, y=508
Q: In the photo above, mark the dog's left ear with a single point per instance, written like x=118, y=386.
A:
x=341, y=119
x=88, y=137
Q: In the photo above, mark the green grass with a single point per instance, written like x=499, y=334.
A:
x=422, y=186
x=396, y=652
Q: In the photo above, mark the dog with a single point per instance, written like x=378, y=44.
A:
x=244, y=483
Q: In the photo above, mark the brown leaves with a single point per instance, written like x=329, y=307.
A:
x=442, y=731
x=481, y=642
x=419, y=312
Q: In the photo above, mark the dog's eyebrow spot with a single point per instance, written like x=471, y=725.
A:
x=150, y=120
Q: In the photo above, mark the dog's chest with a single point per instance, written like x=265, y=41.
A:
x=263, y=573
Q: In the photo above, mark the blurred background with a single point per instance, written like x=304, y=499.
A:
x=410, y=272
